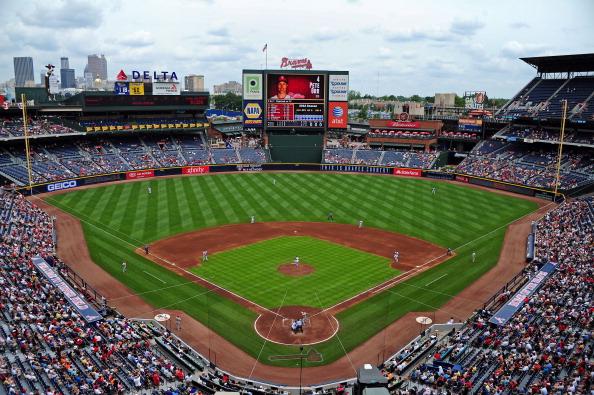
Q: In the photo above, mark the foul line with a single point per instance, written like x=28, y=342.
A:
x=164, y=260
x=155, y=277
x=436, y=280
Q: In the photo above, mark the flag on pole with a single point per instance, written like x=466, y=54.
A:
x=265, y=47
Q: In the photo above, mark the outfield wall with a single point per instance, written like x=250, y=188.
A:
x=325, y=167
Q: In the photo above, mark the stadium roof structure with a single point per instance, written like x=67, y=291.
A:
x=562, y=63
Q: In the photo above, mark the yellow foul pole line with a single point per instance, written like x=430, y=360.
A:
x=560, y=151
x=27, y=148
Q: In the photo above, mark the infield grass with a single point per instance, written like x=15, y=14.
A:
x=339, y=272
x=119, y=218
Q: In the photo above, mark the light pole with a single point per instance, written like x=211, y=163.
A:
x=300, y=368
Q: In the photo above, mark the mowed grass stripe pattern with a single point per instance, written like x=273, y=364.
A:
x=119, y=218
x=252, y=272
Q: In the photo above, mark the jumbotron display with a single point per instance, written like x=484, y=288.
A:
x=295, y=100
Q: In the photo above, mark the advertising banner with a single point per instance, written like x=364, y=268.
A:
x=253, y=87
x=253, y=113
x=166, y=88
x=392, y=124
x=338, y=116
x=338, y=86
x=408, y=172
x=134, y=175
x=121, y=88
x=74, y=298
x=136, y=88
x=196, y=170
x=518, y=300
x=56, y=186
x=353, y=168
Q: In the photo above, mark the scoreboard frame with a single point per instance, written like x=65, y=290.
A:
x=306, y=106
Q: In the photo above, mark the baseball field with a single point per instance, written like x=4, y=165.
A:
x=347, y=279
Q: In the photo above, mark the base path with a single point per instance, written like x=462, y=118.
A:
x=72, y=249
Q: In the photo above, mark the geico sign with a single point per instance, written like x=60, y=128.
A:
x=61, y=185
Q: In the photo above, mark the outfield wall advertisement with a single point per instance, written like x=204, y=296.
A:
x=408, y=172
x=133, y=175
x=189, y=170
x=196, y=170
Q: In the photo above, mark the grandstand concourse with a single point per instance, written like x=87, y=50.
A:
x=59, y=335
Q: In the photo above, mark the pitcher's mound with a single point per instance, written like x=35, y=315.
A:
x=291, y=270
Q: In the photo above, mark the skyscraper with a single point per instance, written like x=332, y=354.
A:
x=23, y=70
x=97, y=66
x=67, y=79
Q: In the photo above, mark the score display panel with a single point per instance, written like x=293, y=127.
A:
x=295, y=100
x=145, y=100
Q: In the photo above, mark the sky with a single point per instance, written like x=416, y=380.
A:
x=388, y=47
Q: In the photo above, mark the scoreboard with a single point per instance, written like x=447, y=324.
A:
x=470, y=125
x=295, y=114
x=295, y=100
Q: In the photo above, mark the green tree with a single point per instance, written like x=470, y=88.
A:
x=363, y=113
x=354, y=95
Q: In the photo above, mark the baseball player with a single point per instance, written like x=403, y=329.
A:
x=205, y=255
x=396, y=255
x=253, y=219
x=124, y=265
x=296, y=261
x=361, y=224
x=473, y=256
x=178, y=322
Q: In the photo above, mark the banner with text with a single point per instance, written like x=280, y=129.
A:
x=518, y=300
x=166, y=88
x=392, y=124
x=408, y=172
x=73, y=297
x=196, y=170
x=338, y=115
x=133, y=175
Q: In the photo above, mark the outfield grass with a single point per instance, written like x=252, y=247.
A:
x=118, y=219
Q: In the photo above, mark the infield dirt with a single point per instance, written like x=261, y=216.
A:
x=72, y=250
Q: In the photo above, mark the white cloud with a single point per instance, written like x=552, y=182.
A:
x=419, y=47
x=140, y=38
x=515, y=49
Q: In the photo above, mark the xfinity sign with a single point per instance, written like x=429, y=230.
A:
x=56, y=186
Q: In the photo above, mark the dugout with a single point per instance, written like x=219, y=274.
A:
x=370, y=381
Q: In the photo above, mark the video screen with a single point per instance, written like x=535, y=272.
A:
x=295, y=100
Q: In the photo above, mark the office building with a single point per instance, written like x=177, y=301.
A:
x=23, y=71
x=228, y=87
x=194, y=83
x=97, y=66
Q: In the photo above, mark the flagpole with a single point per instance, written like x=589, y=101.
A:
x=266, y=57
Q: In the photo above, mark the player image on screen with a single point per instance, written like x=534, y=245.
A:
x=295, y=100
x=295, y=86
x=283, y=92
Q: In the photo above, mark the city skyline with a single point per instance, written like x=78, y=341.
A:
x=398, y=48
